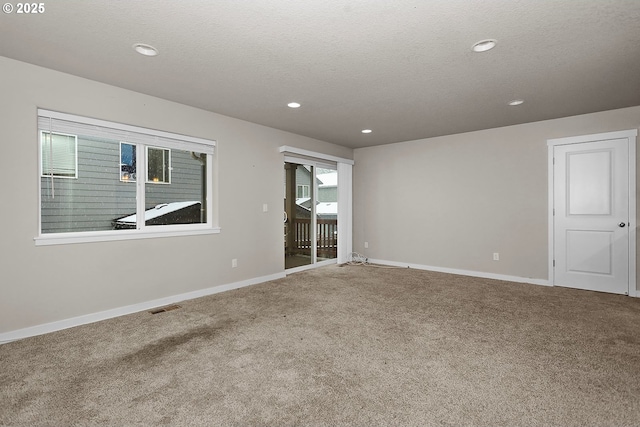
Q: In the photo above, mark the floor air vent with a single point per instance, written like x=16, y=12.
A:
x=163, y=309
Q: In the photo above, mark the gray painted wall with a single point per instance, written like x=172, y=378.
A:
x=41, y=284
x=453, y=201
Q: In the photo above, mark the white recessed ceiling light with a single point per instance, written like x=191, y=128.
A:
x=484, y=45
x=145, y=49
x=366, y=131
x=293, y=105
x=516, y=102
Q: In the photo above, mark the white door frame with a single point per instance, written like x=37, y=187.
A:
x=630, y=135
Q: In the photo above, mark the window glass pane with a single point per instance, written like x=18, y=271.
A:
x=327, y=214
x=183, y=201
x=58, y=154
x=158, y=165
x=298, y=227
x=89, y=172
x=93, y=201
x=127, y=162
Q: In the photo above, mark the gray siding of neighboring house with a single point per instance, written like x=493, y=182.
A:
x=97, y=197
x=328, y=194
x=301, y=212
x=186, y=182
x=325, y=193
x=303, y=177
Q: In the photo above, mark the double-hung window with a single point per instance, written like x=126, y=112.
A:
x=158, y=165
x=101, y=180
x=302, y=191
x=59, y=155
x=127, y=162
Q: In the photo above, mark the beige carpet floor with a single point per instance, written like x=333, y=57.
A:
x=349, y=345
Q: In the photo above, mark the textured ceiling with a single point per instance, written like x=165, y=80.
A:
x=403, y=68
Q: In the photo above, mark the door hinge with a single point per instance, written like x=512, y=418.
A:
x=554, y=211
x=554, y=262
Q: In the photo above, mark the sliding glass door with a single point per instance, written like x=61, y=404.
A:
x=310, y=213
x=326, y=213
x=298, y=211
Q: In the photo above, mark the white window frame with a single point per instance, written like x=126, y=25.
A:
x=51, y=175
x=143, y=138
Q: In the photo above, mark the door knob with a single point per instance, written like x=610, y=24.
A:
x=622, y=224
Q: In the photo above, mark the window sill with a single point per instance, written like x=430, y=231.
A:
x=107, y=236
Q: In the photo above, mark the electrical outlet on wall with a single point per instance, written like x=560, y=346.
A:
x=496, y=256
x=366, y=245
x=234, y=263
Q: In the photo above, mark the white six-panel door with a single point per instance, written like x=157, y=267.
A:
x=591, y=213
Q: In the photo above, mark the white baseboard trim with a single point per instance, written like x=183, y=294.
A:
x=484, y=275
x=129, y=309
